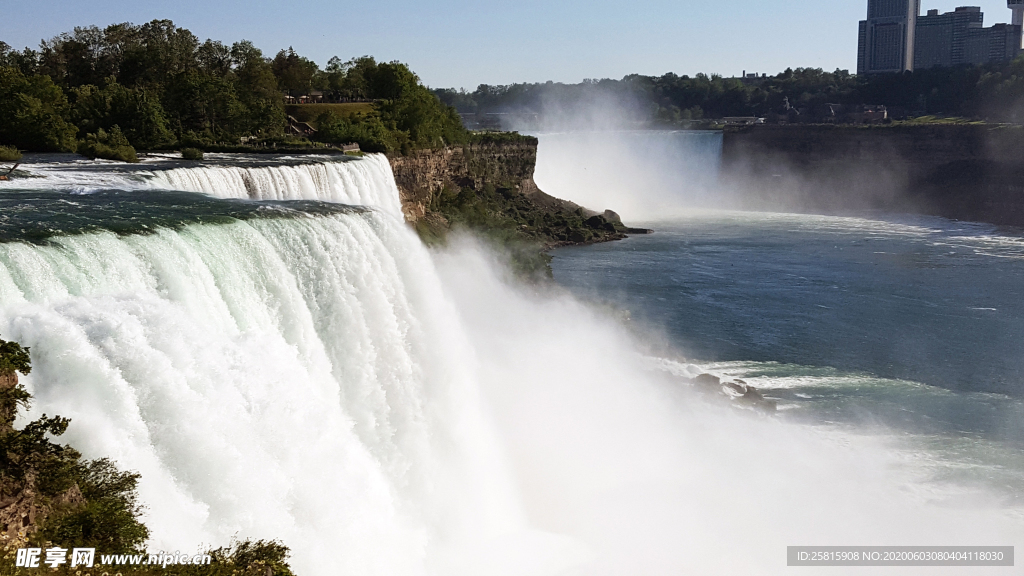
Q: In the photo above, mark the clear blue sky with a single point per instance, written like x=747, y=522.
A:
x=464, y=43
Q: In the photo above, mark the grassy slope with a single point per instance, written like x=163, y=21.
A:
x=310, y=112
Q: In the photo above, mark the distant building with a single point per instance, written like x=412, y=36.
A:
x=755, y=79
x=1000, y=43
x=942, y=38
x=895, y=38
x=886, y=42
x=959, y=37
x=1018, y=11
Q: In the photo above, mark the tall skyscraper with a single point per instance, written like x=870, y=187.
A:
x=959, y=37
x=941, y=39
x=886, y=41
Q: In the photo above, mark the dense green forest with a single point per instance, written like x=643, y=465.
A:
x=157, y=86
x=993, y=92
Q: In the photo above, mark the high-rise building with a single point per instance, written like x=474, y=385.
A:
x=999, y=43
x=887, y=36
x=959, y=37
x=895, y=39
x=941, y=39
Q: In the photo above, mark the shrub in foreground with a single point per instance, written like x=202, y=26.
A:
x=191, y=154
x=9, y=154
x=108, y=145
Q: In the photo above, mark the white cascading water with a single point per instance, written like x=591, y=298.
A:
x=274, y=378
x=387, y=411
x=364, y=182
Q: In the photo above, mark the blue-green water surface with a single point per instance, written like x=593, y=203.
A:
x=911, y=326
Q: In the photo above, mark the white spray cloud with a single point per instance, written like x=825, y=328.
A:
x=643, y=176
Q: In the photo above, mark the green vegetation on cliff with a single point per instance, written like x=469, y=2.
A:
x=14, y=358
x=515, y=224
x=76, y=502
x=406, y=115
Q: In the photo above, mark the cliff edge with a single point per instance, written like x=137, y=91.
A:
x=487, y=187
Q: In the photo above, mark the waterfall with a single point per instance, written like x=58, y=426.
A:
x=363, y=181
x=272, y=377
x=367, y=181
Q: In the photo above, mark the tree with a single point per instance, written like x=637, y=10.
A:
x=108, y=145
x=214, y=58
x=356, y=84
x=155, y=52
x=391, y=81
x=202, y=103
x=294, y=73
x=368, y=131
x=109, y=518
x=257, y=89
x=33, y=113
x=138, y=113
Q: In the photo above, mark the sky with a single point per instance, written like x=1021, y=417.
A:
x=461, y=43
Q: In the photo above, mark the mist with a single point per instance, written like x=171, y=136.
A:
x=611, y=449
x=644, y=176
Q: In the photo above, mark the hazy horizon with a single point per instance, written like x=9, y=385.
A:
x=463, y=44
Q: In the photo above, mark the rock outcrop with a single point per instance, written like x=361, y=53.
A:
x=488, y=186
x=424, y=174
x=737, y=392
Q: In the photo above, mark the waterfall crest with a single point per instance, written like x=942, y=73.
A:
x=363, y=181
x=367, y=181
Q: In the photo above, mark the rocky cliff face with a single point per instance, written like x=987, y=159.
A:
x=488, y=188
x=422, y=176
x=970, y=172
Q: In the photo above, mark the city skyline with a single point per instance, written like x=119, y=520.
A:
x=896, y=37
x=461, y=44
